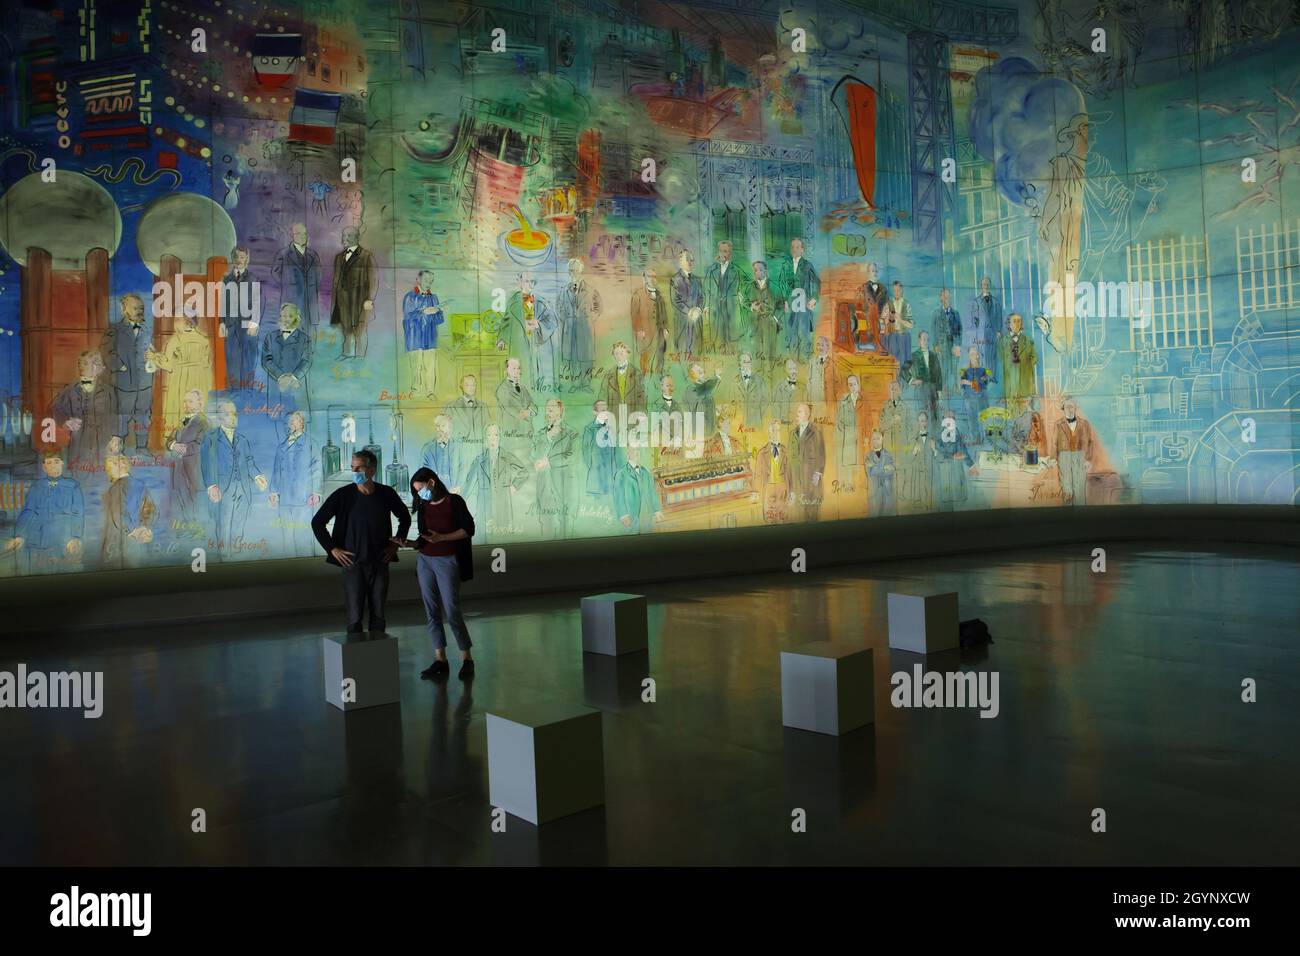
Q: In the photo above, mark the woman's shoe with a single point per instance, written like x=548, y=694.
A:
x=435, y=670
x=466, y=670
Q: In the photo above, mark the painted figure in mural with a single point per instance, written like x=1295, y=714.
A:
x=183, y=447
x=688, y=307
x=636, y=499
x=764, y=319
x=802, y=287
x=700, y=393
x=293, y=487
x=230, y=474
x=819, y=380
x=880, y=468
x=807, y=463
x=85, y=408
x=952, y=463
x=470, y=418
x=1027, y=434
x=916, y=471
x=286, y=359
x=724, y=290
x=239, y=331
x=1076, y=447
x=492, y=484
x=623, y=387
x=553, y=458
x=788, y=392
x=129, y=511
x=650, y=325
x=599, y=454
x=898, y=325
x=946, y=336
x=975, y=388
x=445, y=454
x=1019, y=360
x=231, y=181
x=421, y=316
x=924, y=373
x=126, y=348
x=671, y=408
x=982, y=325
x=530, y=334
x=297, y=271
x=356, y=280
x=893, y=422
x=577, y=307
x=724, y=441
x=187, y=360
x=772, y=476
x=516, y=411
x=850, y=415
x=49, y=529
x=320, y=191
x=1059, y=227
x=749, y=394
x=874, y=301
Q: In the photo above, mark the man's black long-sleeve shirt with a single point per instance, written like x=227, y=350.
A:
x=361, y=522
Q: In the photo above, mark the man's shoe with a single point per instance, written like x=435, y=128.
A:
x=466, y=670
x=378, y=627
x=355, y=629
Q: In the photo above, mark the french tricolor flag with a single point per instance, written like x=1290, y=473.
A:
x=315, y=114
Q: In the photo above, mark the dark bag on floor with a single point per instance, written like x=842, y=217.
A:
x=974, y=633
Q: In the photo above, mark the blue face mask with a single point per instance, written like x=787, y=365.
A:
x=426, y=493
x=359, y=477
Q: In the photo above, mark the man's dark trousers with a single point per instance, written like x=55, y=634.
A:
x=366, y=582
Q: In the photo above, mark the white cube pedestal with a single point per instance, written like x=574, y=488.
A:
x=827, y=688
x=923, y=623
x=371, y=665
x=546, y=761
x=614, y=624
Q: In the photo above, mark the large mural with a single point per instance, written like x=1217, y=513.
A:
x=617, y=267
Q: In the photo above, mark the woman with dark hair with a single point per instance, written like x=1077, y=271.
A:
x=445, y=528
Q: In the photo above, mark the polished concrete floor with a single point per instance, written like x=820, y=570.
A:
x=1119, y=690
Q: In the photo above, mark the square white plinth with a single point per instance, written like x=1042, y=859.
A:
x=546, y=761
x=614, y=624
x=827, y=688
x=369, y=663
x=923, y=623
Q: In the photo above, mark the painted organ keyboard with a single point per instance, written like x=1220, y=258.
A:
x=704, y=481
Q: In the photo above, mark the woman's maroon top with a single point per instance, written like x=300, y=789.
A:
x=437, y=517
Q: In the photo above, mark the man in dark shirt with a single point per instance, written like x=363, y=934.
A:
x=362, y=541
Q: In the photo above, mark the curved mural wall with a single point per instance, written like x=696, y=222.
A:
x=639, y=267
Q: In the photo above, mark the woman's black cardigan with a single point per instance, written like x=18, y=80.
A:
x=461, y=517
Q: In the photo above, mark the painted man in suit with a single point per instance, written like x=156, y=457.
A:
x=898, y=325
x=297, y=271
x=650, y=325
x=788, y=393
x=515, y=411
x=183, y=446
x=850, y=415
x=764, y=319
x=724, y=290
x=807, y=463
x=286, y=358
x=772, y=474
x=1076, y=450
x=85, y=408
x=356, y=280
x=700, y=394
x=492, y=485
x=445, y=454
x=240, y=320
x=554, y=450
x=749, y=394
x=880, y=478
x=982, y=325
x=924, y=373
x=688, y=306
x=636, y=499
x=802, y=289
x=129, y=512
x=946, y=337
x=874, y=300
x=422, y=315
x=230, y=473
x=623, y=389
x=530, y=334
x=293, y=488
x=126, y=349
x=578, y=306
x=1018, y=360
x=48, y=532
x=469, y=416
x=893, y=421
x=600, y=453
